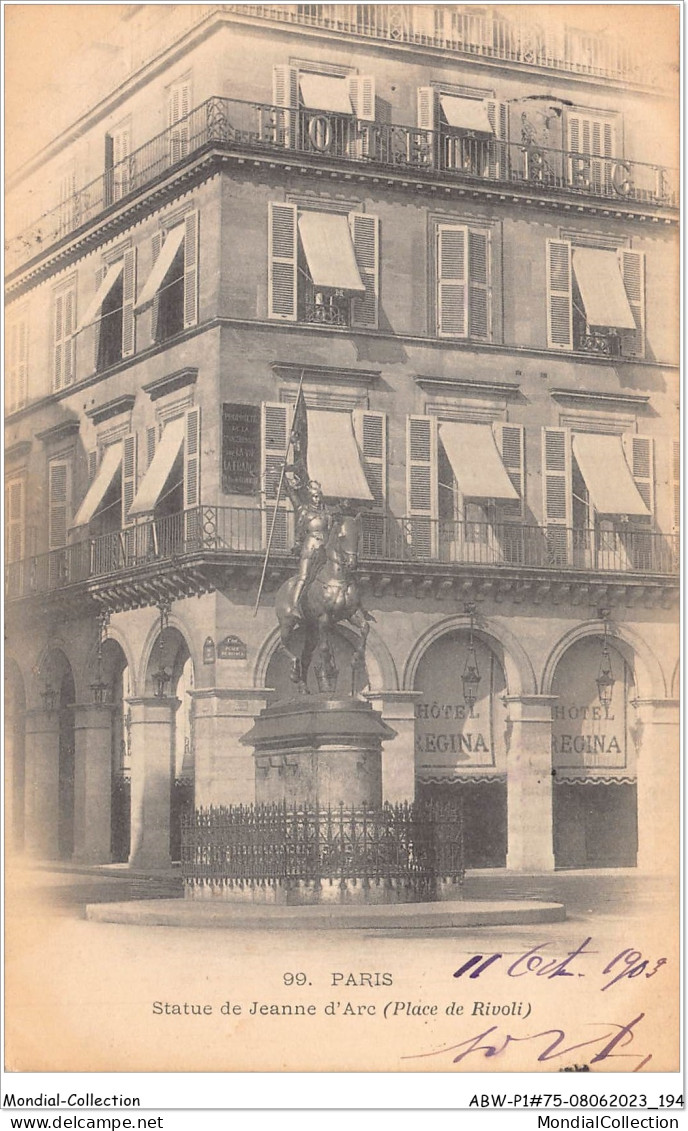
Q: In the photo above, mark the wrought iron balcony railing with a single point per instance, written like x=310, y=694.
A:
x=319, y=136
x=219, y=532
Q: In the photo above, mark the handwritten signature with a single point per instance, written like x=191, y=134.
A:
x=554, y=1044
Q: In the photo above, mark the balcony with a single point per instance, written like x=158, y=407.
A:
x=193, y=551
x=260, y=129
x=531, y=41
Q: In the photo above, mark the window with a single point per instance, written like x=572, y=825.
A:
x=178, y=107
x=323, y=267
x=16, y=373
x=463, y=282
x=323, y=111
x=100, y=509
x=593, y=137
x=15, y=517
x=598, y=498
x=171, y=288
x=469, y=132
x=595, y=299
x=118, y=171
x=64, y=336
x=465, y=482
x=111, y=311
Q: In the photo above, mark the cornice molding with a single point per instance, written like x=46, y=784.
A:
x=592, y=396
x=58, y=432
x=171, y=383
x=116, y=407
x=289, y=371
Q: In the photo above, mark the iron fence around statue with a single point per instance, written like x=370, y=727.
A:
x=415, y=847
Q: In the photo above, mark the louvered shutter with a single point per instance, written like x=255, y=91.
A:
x=179, y=107
x=69, y=339
x=58, y=333
x=479, y=319
x=632, y=265
x=192, y=458
x=58, y=503
x=276, y=421
x=421, y=485
x=498, y=114
x=156, y=248
x=676, y=484
x=452, y=290
x=191, y=255
x=511, y=443
x=282, y=260
x=14, y=519
x=285, y=95
x=128, y=299
x=557, y=497
x=639, y=452
x=92, y=464
x=591, y=138
x=559, y=295
x=121, y=149
x=371, y=435
x=427, y=120
x=129, y=460
x=151, y=436
x=362, y=95
x=98, y=322
x=365, y=233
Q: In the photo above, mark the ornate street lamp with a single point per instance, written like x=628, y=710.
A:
x=49, y=697
x=471, y=672
x=98, y=687
x=162, y=677
x=605, y=677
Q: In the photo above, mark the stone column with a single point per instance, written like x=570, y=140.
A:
x=399, y=753
x=658, y=750
x=42, y=784
x=224, y=770
x=152, y=776
x=529, y=784
x=92, y=782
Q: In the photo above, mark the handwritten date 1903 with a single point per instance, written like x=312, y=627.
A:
x=629, y=963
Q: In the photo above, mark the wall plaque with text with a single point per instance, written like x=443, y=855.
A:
x=240, y=449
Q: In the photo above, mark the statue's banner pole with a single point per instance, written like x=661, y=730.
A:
x=278, y=499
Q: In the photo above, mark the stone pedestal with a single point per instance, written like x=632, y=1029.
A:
x=529, y=784
x=92, y=782
x=398, y=753
x=224, y=770
x=658, y=786
x=152, y=775
x=319, y=750
x=42, y=784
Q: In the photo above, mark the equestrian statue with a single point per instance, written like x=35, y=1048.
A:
x=324, y=591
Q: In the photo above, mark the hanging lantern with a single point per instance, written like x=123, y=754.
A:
x=49, y=697
x=162, y=677
x=471, y=672
x=99, y=689
x=605, y=678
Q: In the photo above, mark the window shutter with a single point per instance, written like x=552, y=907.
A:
x=282, y=256
x=121, y=150
x=556, y=484
x=58, y=503
x=69, y=340
x=640, y=457
x=179, y=106
x=371, y=435
x=421, y=484
x=128, y=476
x=559, y=295
x=676, y=484
x=98, y=323
x=511, y=443
x=276, y=421
x=479, y=320
x=285, y=86
x=14, y=519
x=365, y=233
x=151, y=436
x=191, y=252
x=128, y=299
x=362, y=95
x=498, y=113
x=452, y=291
x=58, y=332
x=156, y=248
x=632, y=265
x=92, y=464
x=427, y=108
x=192, y=458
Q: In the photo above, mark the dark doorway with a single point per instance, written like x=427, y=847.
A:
x=595, y=825
x=484, y=805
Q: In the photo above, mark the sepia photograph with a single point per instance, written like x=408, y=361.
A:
x=342, y=503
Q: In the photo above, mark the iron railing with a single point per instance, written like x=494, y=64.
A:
x=463, y=29
x=409, y=846
x=211, y=530
x=261, y=127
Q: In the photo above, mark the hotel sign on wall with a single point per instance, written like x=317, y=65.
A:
x=584, y=732
x=240, y=449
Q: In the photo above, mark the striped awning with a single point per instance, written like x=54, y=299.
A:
x=601, y=287
x=105, y=476
x=155, y=280
x=466, y=114
x=93, y=309
x=325, y=92
x=156, y=478
x=329, y=250
x=476, y=462
x=607, y=476
x=334, y=460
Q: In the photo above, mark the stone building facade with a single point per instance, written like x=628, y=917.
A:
x=458, y=228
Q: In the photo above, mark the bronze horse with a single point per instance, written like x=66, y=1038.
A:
x=330, y=596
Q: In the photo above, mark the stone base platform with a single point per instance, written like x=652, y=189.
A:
x=406, y=916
